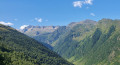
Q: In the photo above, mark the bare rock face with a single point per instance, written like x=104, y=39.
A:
x=38, y=30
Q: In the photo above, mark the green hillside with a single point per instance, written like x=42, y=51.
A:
x=99, y=45
x=19, y=49
x=88, y=42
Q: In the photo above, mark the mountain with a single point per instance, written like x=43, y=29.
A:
x=19, y=49
x=38, y=30
x=51, y=37
x=61, y=32
x=87, y=21
x=42, y=32
x=87, y=42
x=93, y=45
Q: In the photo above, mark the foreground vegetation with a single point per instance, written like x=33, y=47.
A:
x=19, y=49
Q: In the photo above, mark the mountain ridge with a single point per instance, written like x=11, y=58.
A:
x=38, y=30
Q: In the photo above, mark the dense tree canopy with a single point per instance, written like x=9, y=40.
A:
x=19, y=49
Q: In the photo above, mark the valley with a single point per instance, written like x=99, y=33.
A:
x=59, y=32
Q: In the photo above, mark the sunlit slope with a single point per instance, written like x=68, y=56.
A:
x=99, y=46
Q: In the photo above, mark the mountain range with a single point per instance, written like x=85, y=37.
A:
x=83, y=43
x=38, y=30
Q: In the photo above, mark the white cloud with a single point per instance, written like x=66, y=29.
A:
x=78, y=4
x=88, y=2
x=92, y=14
x=7, y=24
x=38, y=19
x=81, y=3
x=23, y=26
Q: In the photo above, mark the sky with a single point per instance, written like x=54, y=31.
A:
x=21, y=13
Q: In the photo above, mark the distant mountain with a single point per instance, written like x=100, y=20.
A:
x=87, y=42
x=38, y=30
x=19, y=49
x=61, y=32
x=51, y=37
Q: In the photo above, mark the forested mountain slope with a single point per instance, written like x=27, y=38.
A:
x=19, y=49
x=87, y=42
x=100, y=45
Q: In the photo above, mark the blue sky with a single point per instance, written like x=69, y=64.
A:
x=17, y=13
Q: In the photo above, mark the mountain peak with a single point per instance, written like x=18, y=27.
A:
x=87, y=21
